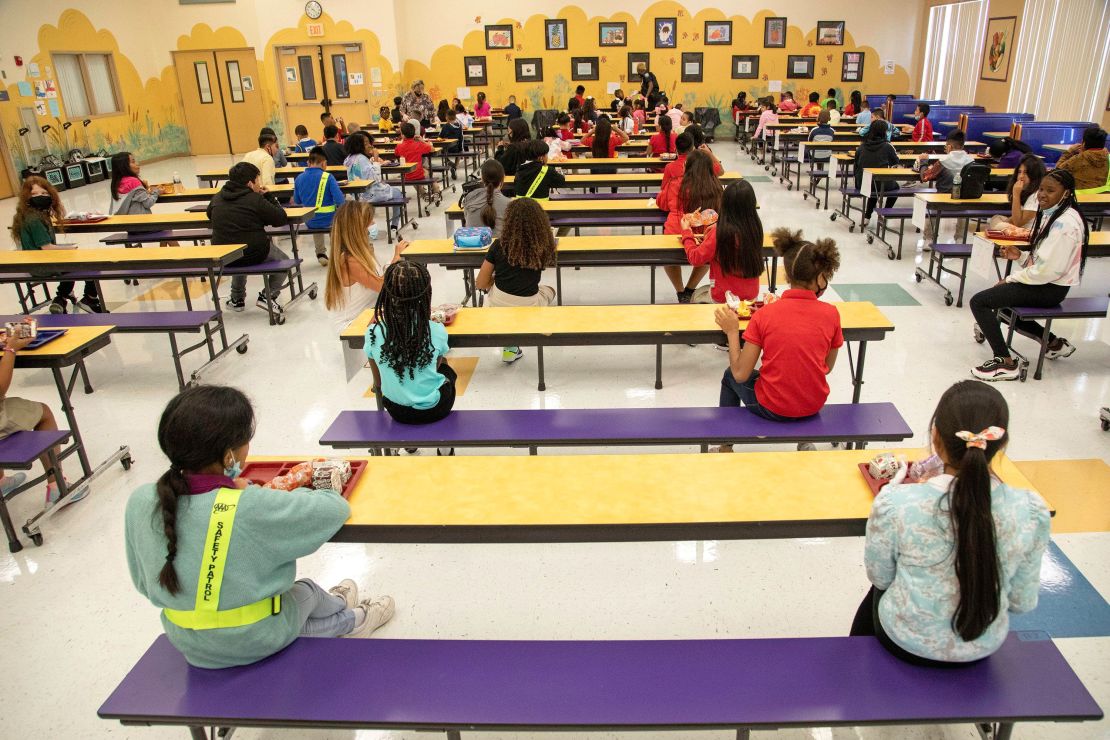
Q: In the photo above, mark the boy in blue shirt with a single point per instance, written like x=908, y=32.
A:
x=305, y=143
x=512, y=110
x=316, y=188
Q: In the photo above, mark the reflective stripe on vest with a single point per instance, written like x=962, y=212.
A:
x=536, y=183
x=207, y=615
x=321, y=191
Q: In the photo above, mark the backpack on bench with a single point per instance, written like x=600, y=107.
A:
x=973, y=180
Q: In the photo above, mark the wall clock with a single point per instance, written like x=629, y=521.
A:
x=313, y=9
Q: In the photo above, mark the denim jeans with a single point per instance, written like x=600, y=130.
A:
x=322, y=614
x=985, y=304
x=274, y=282
x=743, y=394
x=394, y=211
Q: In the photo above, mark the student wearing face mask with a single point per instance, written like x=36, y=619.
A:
x=38, y=218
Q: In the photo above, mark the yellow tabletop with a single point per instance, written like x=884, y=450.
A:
x=73, y=340
x=569, y=244
x=579, y=206
x=283, y=190
x=649, y=320
x=619, y=489
x=996, y=134
x=116, y=256
x=1058, y=147
x=337, y=170
x=161, y=220
x=632, y=178
x=613, y=162
x=1095, y=239
x=992, y=199
x=908, y=172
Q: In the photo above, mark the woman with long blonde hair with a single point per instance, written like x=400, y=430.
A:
x=354, y=274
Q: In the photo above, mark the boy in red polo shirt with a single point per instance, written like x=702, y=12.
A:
x=413, y=148
x=923, y=128
x=797, y=336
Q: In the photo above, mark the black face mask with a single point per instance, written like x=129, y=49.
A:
x=41, y=202
x=821, y=290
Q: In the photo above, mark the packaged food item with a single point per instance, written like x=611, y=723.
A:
x=332, y=474
x=299, y=476
x=28, y=329
x=445, y=313
x=668, y=156
x=883, y=466
x=702, y=218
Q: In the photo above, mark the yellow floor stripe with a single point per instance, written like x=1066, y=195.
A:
x=463, y=366
x=170, y=290
x=1079, y=489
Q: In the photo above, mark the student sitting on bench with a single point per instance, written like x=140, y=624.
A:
x=733, y=248
x=246, y=604
x=798, y=337
x=1087, y=162
x=354, y=276
x=1022, y=191
x=316, y=188
x=1058, y=244
x=950, y=556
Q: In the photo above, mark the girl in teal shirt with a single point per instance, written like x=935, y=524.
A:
x=251, y=604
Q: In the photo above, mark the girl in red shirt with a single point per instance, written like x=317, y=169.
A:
x=604, y=140
x=797, y=336
x=690, y=183
x=733, y=248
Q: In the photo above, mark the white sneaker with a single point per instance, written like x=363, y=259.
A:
x=322, y=259
x=371, y=614
x=806, y=447
x=1059, y=349
x=997, y=368
x=346, y=590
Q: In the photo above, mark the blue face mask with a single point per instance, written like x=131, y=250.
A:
x=1052, y=209
x=234, y=470
x=372, y=232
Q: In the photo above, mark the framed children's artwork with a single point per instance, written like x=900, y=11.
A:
x=583, y=68
x=998, y=48
x=499, y=37
x=799, y=67
x=612, y=34
x=718, y=33
x=851, y=68
x=475, y=68
x=666, y=34
x=693, y=63
x=774, y=33
x=745, y=67
x=529, y=70
x=635, y=59
x=830, y=33
x=555, y=34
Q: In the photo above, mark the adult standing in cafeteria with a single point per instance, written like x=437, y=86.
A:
x=418, y=104
x=649, y=85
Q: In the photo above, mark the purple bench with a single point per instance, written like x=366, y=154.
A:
x=882, y=226
x=597, y=196
x=603, y=221
x=533, y=428
x=20, y=451
x=938, y=253
x=452, y=686
x=1094, y=307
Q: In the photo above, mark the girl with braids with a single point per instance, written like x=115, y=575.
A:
x=513, y=265
x=417, y=384
x=250, y=606
x=733, y=248
x=797, y=336
x=485, y=206
x=1052, y=263
x=690, y=183
x=949, y=557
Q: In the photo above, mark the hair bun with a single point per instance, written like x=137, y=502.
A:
x=786, y=240
x=826, y=257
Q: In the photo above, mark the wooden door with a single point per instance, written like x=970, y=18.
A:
x=347, y=83
x=202, y=100
x=242, y=96
x=302, y=88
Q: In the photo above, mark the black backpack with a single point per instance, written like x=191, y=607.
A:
x=973, y=180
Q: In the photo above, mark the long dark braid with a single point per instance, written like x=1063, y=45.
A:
x=404, y=309
x=1037, y=232
x=196, y=430
x=493, y=176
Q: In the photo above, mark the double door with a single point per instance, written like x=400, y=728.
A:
x=222, y=99
x=319, y=77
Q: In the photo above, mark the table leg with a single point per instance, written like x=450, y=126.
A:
x=653, y=284
x=1044, y=347
x=71, y=420
x=296, y=255
x=658, y=366
x=857, y=375
x=213, y=282
x=772, y=279
x=539, y=358
x=558, y=285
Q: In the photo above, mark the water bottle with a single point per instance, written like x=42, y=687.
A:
x=927, y=468
x=956, y=186
x=177, y=186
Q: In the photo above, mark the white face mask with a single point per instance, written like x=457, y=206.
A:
x=372, y=231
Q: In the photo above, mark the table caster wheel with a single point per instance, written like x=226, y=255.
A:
x=280, y=320
x=36, y=539
x=126, y=462
x=1023, y=373
x=1106, y=425
x=979, y=338
x=242, y=348
x=852, y=229
x=312, y=293
x=870, y=239
x=948, y=299
x=832, y=216
x=890, y=254
x=918, y=276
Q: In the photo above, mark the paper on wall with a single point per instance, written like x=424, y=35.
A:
x=24, y=88
x=290, y=74
x=612, y=87
x=40, y=107
x=355, y=78
x=888, y=67
x=462, y=93
x=33, y=70
x=800, y=68
x=585, y=68
x=774, y=86
x=693, y=68
x=52, y=105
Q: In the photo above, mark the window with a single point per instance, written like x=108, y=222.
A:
x=204, y=82
x=88, y=84
x=308, y=78
x=235, y=82
x=953, y=50
x=339, y=70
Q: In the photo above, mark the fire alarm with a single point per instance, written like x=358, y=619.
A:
x=19, y=61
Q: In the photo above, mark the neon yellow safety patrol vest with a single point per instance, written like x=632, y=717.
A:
x=1105, y=188
x=321, y=191
x=536, y=183
x=207, y=615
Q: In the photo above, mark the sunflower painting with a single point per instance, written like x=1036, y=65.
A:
x=998, y=48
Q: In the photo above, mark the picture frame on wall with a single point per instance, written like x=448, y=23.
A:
x=745, y=67
x=666, y=33
x=635, y=59
x=612, y=33
x=774, y=33
x=499, y=37
x=693, y=66
x=475, y=71
x=799, y=66
x=555, y=34
x=851, y=66
x=998, y=47
x=529, y=70
x=830, y=33
x=584, y=68
x=718, y=33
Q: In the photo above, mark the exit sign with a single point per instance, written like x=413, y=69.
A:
x=315, y=29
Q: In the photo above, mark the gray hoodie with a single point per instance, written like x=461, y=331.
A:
x=951, y=164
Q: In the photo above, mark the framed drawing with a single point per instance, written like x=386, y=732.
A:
x=612, y=34
x=774, y=33
x=830, y=33
x=799, y=67
x=555, y=34
x=635, y=59
x=998, y=47
x=666, y=35
x=718, y=33
x=745, y=67
x=851, y=68
x=475, y=68
x=499, y=37
x=583, y=68
x=693, y=63
x=529, y=70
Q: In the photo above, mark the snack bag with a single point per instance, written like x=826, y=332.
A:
x=27, y=329
x=883, y=466
x=299, y=476
x=332, y=474
x=702, y=218
x=445, y=313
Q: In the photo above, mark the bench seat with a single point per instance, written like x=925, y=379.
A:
x=21, y=451
x=598, y=196
x=454, y=686
x=1092, y=307
x=935, y=268
x=262, y=268
x=534, y=428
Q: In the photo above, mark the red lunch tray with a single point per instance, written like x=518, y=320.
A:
x=875, y=484
x=264, y=472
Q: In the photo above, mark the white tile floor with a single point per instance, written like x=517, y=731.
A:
x=71, y=624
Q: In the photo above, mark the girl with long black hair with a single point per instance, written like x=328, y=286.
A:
x=733, y=248
x=950, y=556
x=1051, y=264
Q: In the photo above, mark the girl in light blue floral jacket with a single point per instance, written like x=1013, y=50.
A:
x=951, y=556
